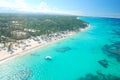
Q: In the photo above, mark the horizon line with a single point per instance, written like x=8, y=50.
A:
x=57, y=14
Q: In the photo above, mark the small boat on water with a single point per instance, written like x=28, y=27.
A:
x=48, y=57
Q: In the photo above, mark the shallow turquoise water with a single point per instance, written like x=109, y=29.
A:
x=72, y=58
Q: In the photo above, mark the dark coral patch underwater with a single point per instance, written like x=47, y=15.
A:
x=112, y=50
x=21, y=75
x=63, y=49
x=99, y=76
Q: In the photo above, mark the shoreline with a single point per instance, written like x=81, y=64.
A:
x=34, y=45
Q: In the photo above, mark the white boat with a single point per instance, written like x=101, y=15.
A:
x=48, y=57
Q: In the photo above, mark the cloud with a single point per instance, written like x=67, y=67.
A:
x=43, y=7
x=5, y=4
x=21, y=5
x=18, y=5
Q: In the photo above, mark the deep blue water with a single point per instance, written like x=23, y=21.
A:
x=74, y=58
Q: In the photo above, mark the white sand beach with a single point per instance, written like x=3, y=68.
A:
x=25, y=46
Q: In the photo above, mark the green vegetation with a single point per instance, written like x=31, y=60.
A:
x=21, y=26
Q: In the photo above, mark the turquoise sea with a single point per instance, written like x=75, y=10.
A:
x=74, y=58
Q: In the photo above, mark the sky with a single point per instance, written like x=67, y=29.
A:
x=105, y=8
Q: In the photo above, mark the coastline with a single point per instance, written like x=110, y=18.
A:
x=4, y=56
